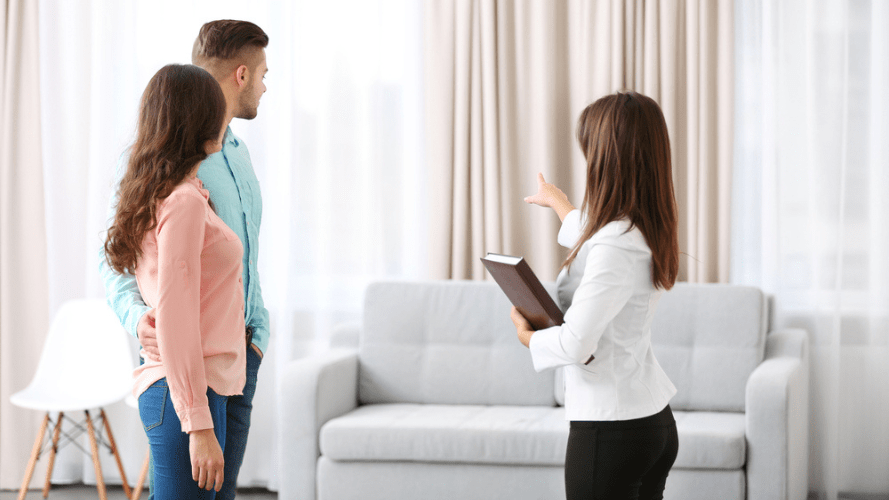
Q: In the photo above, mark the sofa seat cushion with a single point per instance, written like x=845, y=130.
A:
x=516, y=435
x=710, y=440
x=525, y=435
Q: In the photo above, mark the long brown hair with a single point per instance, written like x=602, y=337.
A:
x=624, y=139
x=181, y=109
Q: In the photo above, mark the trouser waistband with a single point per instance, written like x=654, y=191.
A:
x=663, y=418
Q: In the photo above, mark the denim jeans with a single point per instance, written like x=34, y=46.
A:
x=171, y=474
x=237, y=428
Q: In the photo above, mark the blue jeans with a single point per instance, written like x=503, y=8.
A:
x=236, y=429
x=238, y=426
x=172, y=476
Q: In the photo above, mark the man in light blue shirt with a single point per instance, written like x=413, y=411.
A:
x=234, y=53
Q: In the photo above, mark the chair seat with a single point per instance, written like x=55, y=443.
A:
x=512, y=435
x=56, y=399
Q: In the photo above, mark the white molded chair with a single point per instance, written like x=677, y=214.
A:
x=86, y=364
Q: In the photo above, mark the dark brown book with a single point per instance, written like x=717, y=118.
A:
x=524, y=290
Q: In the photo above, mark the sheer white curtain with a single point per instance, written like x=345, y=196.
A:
x=811, y=216
x=336, y=147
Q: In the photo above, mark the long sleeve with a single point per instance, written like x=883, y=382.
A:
x=605, y=288
x=121, y=290
x=259, y=320
x=122, y=294
x=180, y=240
x=571, y=228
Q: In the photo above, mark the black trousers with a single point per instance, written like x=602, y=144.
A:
x=624, y=459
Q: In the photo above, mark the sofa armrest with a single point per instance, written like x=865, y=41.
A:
x=312, y=391
x=777, y=414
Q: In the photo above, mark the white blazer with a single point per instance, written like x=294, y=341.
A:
x=609, y=300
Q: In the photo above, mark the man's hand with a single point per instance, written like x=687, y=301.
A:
x=548, y=195
x=524, y=330
x=148, y=336
x=257, y=350
x=207, y=462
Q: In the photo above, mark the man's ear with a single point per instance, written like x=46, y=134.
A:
x=241, y=76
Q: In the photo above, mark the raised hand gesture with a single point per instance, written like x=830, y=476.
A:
x=548, y=195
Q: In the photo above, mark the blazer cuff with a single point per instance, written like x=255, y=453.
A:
x=542, y=357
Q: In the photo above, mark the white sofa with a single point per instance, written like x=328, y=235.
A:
x=439, y=401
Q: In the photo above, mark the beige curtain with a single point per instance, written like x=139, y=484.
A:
x=505, y=82
x=23, y=268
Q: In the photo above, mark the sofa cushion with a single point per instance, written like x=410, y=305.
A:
x=709, y=339
x=526, y=435
x=517, y=435
x=437, y=481
x=710, y=440
x=445, y=343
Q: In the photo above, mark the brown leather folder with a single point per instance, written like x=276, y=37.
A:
x=524, y=290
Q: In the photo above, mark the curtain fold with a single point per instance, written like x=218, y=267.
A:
x=23, y=276
x=505, y=81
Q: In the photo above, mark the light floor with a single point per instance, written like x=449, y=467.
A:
x=84, y=492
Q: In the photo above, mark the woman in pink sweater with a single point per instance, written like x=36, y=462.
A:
x=187, y=263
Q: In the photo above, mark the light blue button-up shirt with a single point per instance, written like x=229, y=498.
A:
x=234, y=191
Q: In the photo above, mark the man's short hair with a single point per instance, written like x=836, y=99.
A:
x=226, y=40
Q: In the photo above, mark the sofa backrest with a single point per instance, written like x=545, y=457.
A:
x=709, y=338
x=445, y=342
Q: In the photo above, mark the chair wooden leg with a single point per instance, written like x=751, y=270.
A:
x=52, y=453
x=35, y=454
x=123, y=475
x=137, y=490
x=100, y=482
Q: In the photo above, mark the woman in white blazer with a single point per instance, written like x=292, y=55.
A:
x=624, y=254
